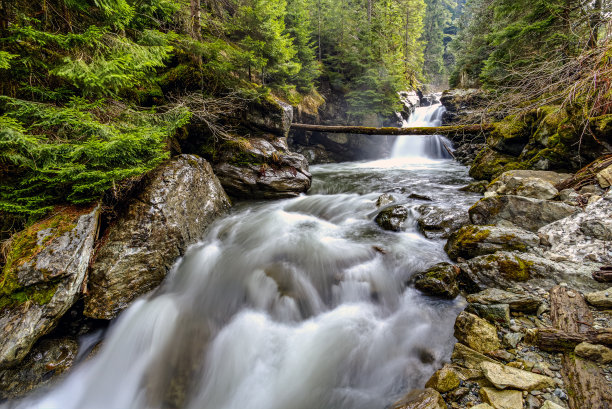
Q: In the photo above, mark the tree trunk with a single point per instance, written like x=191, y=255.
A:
x=594, y=23
x=195, y=26
x=369, y=11
x=585, y=382
x=364, y=130
x=551, y=339
x=319, y=31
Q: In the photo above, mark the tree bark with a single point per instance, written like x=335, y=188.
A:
x=604, y=275
x=551, y=339
x=585, y=382
x=196, y=27
x=364, y=130
x=594, y=23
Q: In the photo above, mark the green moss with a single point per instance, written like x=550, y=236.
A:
x=489, y=164
x=26, y=244
x=516, y=270
x=40, y=294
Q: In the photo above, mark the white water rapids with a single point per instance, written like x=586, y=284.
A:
x=293, y=304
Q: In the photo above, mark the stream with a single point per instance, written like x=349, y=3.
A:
x=301, y=303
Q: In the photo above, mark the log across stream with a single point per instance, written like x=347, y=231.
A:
x=365, y=130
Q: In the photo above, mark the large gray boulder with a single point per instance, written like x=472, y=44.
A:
x=43, y=277
x=582, y=236
x=505, y=269
x=439, y=223
x=472, y=241
x=392, y=218
x=178, y=202
x=263, y=168
x=270, y=115
x=537, y=184
x=440, y=280
x=523, y=212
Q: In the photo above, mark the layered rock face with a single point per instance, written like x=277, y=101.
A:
x=177, y=203
x=43, y=277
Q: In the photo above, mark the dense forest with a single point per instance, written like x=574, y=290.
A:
x=92, y=92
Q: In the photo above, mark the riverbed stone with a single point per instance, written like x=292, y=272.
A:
x=483, y=406
x=503, y=377
x=472, y=241
x=469, y=358
x=179, y=200
x=600, y=299
x=438, y=223
x=526, y=213
x=604, y=178
x=392, y=218
x=43, y=277
x=421, y=399
x=494, y=313
x=537, y=184
x=384, y=200
x=445, y=379
x=516, y=302
x=439, y=280
x=49, y=359
x=596, y=353
x=262, y=168
x=476, y=333
x=551, y=405
x=505, y=399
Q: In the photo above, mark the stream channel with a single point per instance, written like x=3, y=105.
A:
x=301, y=303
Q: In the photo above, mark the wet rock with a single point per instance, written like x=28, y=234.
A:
x=419, y=197
x=489, y=163
x=177, y=203
x=271, y=115
x=502, y=355
x=506, y=399
x=384, y=200
x=392, y=218
x=604, y=178
x=494, y=313
x=444, y=380
x=421, y=399
x=472, y=241
x=480, y=186
x=505, y=269
x=437, y=223
x=260, y=168
x=45, y=362
x=411, y=101
x=596, y=353
x=503, y=377
x=526, y=213
x=582, y=236
x=43, y=277
x=517, y=302
x=537, y=184
x=600, y=299
x=469, y=358
x=439, y=280
x=476, y=333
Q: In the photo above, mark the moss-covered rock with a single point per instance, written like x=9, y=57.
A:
x=489, y=164
x=43, y=278
x=439, y=280
x=392, y=218
x=476, y=333
x=472, y=241
x=511, y=134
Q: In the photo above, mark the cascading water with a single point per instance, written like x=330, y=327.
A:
x=300, y=303
x=428, y=146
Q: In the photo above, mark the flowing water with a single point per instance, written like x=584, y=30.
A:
x=293, y=304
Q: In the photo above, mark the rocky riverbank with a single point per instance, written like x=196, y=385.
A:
x=537, y=328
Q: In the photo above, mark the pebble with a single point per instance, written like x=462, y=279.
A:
x=560, y=394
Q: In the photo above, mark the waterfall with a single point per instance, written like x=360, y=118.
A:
x=428, y=146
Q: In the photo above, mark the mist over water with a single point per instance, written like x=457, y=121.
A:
x=293, y=304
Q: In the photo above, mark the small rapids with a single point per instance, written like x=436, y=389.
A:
x=295, y=304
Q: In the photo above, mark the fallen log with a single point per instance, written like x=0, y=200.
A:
x=585, y=382
x=423, y=130
x=556, y=340
x=604, y=275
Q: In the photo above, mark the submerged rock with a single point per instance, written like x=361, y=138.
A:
x=421, y=399
x=472, y=241
x=392, y=218
x=178, y=202
x=260, y=168
x=439, y=280
x=43, y=277
x=47, y=360
x=526, y=213
x=476, y=333
x=438, y=223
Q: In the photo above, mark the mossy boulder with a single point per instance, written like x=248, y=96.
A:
x=440, y=223
x=421, y=399
x=43, y=277
x=536, y=184
x=176, y=204
x=511, y=135
x=476, y=333
x=472, y=241
x=489, y=164
x=439, y=280
x=526, y=213
x=445, y=379
x=269, y=114
x=392, y=218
